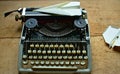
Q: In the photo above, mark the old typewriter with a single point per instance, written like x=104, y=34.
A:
x=53, y=43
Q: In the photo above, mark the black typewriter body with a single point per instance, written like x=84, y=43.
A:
x=54, y=44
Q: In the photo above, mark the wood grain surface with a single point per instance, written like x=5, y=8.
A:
x=101, y=14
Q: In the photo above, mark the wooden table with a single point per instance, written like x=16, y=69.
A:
x=101, y=14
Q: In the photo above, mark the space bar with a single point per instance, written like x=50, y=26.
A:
x=53, y=68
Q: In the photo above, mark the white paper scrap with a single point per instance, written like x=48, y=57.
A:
x=112, y=36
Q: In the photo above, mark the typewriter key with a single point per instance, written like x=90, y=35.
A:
x=84, y=51
x=51, y=46
x=66, y=46
x=34, y=51
x=45, y=57
x=71, y=46
x=37, y=62
x=42, y=62
x=78, y=51
x=44, y=52
x=56, y=46
x=59, y=57
x=82, y=63
x=39, y=57
x=31, y=45
x=55, y=57
x=68, y=51
x=72, y=62
x=80, y=57
x=75, y=57
x=77, y=62
x=85, y=57
x=58, y=51
x=69, y=57
x=34, y=57
x=39, y=51
x=24, y=56
x=61, y=46
x=37, y=45
x=46, y=46
x=32, y=62
x=54, y=51
x=30, y=57
x=73, y=51
x=25, y=62
x=49, y=51
x=63, y=51
x=41, y=45
x=29, y=51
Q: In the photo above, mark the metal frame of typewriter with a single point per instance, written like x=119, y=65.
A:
x=25, y=14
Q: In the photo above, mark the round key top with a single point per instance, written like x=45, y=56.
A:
x=77, y=62
x=44, y=52
x=29, y=51
x=56, y=46
x=31, y=45
x=53, y=51
x=54, y=57
x=34, y=57
x=32, y=62
x=30, y=57
x=42, y=62
x=75, y=57
x=67, y=62
x=73, y=51
x=84, y=51
x=47, y=62
x=58, y=51
x=66, y=46
x=50, y=57
x=34, y=51
x=37, y=62
x=82, y=63
x=25, y=62
x=71, y=46
x=78, y=51
x=46, y=46
x=45, y=57
x=69, y=57
x=62, y=62
x=52, y=63
x=68, y=51
x=39, y=57
x=85, y=57
x=39, y=51
x=80, y=57
x=61, y=46
x=65, y=57
x=59, y=57
x=72, y=62
x=41, y=45
x=24, y=56
x=37, y=45
x=63, y=51
x=51, y=46
x=57, y=62
x=49, y=51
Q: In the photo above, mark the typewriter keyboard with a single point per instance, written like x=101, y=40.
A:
x=55, y=56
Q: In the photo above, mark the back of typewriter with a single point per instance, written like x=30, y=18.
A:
x=54, y=43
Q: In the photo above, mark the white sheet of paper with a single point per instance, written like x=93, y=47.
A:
x=110, y=34
x=70, y=9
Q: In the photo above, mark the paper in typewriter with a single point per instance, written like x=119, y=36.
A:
x=69, y=8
